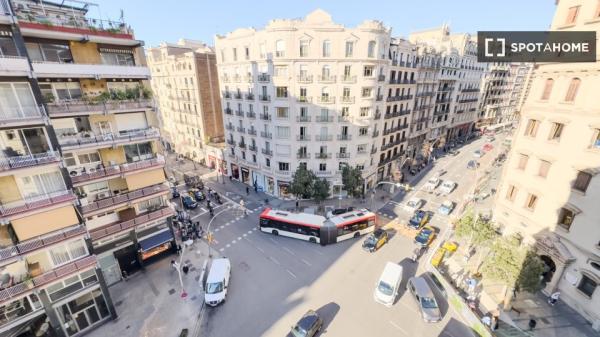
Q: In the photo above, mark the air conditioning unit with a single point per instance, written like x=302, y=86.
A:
x=91, y=170
x=102, y=195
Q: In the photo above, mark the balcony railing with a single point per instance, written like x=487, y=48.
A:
x=251, y=114
x=267, y=135
x=342, y=155
x=33, y=244
x=239, y=113
x=324, y=119
x=381, y=78
x=250, y=96
x=344, y=137
x=348, y=79
x=326, y=99
x=118, y=169
x=227, y=94
x=47, y=277
x=37, y=202
x=237, y=95
x=229, y=127
x=323, y=138
x=252, y=148
x=379, y=98
x=76, y=107
x=241, y=129
x=88, y=139
x=303, y=138
x=322, y=155
x=326, y=79
x=303, y=99
x=264, y=98
x=98, y=233
x=322, y=173
x=303, y=155
x=267, y=152
x=10, y=114
x=16, y=162
x=265, y=117
x=54, y=69
x=264, y=78
x=228, y=111
x=344, y=119
x=375, y=134
x=347, y=99
x=124, y=198
x=242, y=145
x=305, y=78
x=303, y=119
x=252, y=132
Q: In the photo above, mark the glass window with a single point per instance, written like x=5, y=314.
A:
x=531, y=202
x=138, y=152
x=17, y=101
x=587, y=285
x=531, y=129
x=280, y=48
x=582, y=181
x=572, y=15
x=304, y=48
x=523, y=158
x=368, y=71
x=7, y=46
x=118, y=59
x=349, y=48
x=326, y=48
x=556, y=131
x=547, y=88
x=565, y=218
x=371, y=49
x=573, y=88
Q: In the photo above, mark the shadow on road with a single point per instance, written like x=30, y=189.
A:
x=328, y=313
x=455, y=328
x=409, y=269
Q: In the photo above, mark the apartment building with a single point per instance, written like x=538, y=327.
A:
x=185, y=80
x=81, y=181
x=502, y=89
x=550, y=188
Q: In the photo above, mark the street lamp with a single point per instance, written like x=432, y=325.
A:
x=185, y=244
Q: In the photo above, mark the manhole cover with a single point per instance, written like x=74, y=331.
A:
x=244, y=266
x=171, y=291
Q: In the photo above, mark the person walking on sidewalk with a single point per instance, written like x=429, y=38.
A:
x=243, y=206
x=247, y=190
x=554, y=298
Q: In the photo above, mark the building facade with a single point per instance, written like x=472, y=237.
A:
x=81, y=181
x=186, y=86
x=312, y=92
x=550, y=187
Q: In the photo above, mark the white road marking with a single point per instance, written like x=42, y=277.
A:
x=274, y=260
x=318, y=252
x=244, y=235
x=305, y=262
x=289, y=251
x=238, y=218
x=275, y=242
x=260, y=249
x=398, y=327
x=218, y=229
x=250, y=232
x=227, y=245
x=232, y=242
x=239, y=238
x=221, y=227
x=289, y=272
x=222, y=249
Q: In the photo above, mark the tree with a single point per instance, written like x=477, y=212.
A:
x=302, y=185
x=529, y=278
x=353, y=181
x=321, y=190
x=477, y=231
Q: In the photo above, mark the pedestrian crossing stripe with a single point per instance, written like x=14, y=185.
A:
x=222, y=249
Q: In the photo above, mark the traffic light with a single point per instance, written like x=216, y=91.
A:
x=209, y=238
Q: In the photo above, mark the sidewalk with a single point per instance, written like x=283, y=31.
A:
x=149, y=303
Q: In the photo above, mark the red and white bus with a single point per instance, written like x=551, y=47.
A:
x=316, y=228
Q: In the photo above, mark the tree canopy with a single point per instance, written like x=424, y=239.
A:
x=353, y=181
x=302, y=185
x=321, y=190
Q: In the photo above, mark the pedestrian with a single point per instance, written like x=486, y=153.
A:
x=532, y=324
x=124, y=273
x=207, y=203
x=247, y=190
x=230, y=177
x=174, y=264
x=243, y=206
x=554, y=298
x=185, y=268
x=487, y=321
x=297, y=204
x=178, y=249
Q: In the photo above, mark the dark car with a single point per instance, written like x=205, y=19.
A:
x=189, y=203
x=375, y=240
x=339, y=211
x=472, y=164
x=308, y=326
x=198, y=195
x=453, y=152
x=419, y=219
x=425, y=236
x=174, y=193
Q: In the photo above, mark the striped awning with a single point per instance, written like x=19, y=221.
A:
x=115, y=51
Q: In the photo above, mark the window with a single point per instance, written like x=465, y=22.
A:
x=361, y=148
x=61, y=90
x=234, y=54
x=119, y=59
x=363, y=131
x=346, y=92
x=262, y=50
x=66, y=253
x=7, y=46
x=284, y=166
x=532, y=126
x=16, y=100
x=325, y=72
x=323, y=167
x=547, y=88
x=531, y=202
x=565, y=218
x=326, y=48
x=345, y=111
x=364, y=111
x=523, y=158
x=268, y=162
x=280, y=71
x=281, y=92
x=279, y=48
x=347, y=71
x=88, y=158
x=573, y=88
x=366, y=92
x=304, y=48
x=69, y=159
x=572, y=15
x=282, y=132
x=349, y=48
x=49, y=52
x=246, y=53
x=556, y=131
x=587, y=286
x=544, y=168
x=511, y=193
x=282, y=112
x=582, y=181
x=137, y=152
x=371, y=49
x=368, y=71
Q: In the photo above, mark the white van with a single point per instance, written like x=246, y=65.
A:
x=217, y=282
x=386, y=288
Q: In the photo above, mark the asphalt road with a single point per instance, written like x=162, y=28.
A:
x=275, y=280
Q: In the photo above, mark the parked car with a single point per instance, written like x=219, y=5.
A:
x=375, y=240
x=174, y=193
x=189, y=203
x=423, y=296
x=425, y=236
x=453, y=152
x=473, y=164
x=339, y=211
x=197, y=194
x=413, y=204
x=437, y=284
x=308, y=326
x=487, y=147
x=432, y=184
x=419, y=219
x=217, y=281
x=447, y=187
x=478, y=153
x=446, y=207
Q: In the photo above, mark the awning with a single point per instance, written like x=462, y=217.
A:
x=155, y=240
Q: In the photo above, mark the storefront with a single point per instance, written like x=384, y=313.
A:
x=270, y=185
x=235, y=173
x=258, y=179
x=380, y=173
x=156, y=244
x=283, y=189
x=245, y=175
x=82, y=312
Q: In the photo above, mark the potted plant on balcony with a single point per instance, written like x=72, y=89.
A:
x=49, y=98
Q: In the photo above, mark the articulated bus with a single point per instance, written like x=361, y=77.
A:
x=316, y=228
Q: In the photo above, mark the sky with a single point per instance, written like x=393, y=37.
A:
x=156, y=21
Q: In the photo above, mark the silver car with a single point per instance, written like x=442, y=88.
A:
x=426, y=302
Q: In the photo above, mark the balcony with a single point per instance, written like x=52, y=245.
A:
x=242, y=145
x=303, y=119
x=227, y=94
x=349, y=79
x=141, y=219
x=17, y=162
x=27, y=284
x=89, y=140
x=264, y=78
x=468, y=100
x=284, y=173
x=265, y=117
x=303, y=155
x=324, y=119
x=228, y=111
x=265, y=134
x=322, y=155
x=225, y=79
x=305, y=78
x=379, y=98
x=13, y=66
x=325, y=99
x=443, y=100
x=347, y=99
x=303, y=99
x=344, y=119
x=470, y=90
x=229, y=127
x=230, y=141
x=326, y=79
x=252, y=132
x=381, y=78
x=241, y=129
x=302, y=138
x=116, y=170
x=373, y=150
x=377, y=115
x=237, y=78
x=95, y=71
x=239, y=113
x=237, y=95
x=323, y=173
x=323, y=138
x=264, y=98
x=251, y=114
x=375, y=134
x=17, y=116
x=344, y=137
x=342, y=155
x=267, y=152
x=252, y=148
x=250, y=96
x=35, y=203
x=80, y=107
x=125, y=198
x=40, y=242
